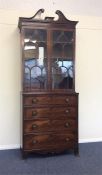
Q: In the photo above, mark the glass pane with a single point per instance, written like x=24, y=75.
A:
x=35, y=58
x=62, y=59
x=63, y=44
x=62, y=74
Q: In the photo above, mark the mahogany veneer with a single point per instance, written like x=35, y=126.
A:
x=49, y=100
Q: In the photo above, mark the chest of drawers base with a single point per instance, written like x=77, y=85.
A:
x=50, y=123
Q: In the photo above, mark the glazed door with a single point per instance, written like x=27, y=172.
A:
x=35, y=59
x=62, y=59
x=48, y=59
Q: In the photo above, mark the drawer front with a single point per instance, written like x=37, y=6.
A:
x=53, y=112
x=64, y=112
x=36, y=100
x=32, y=113
x=49, y=125
x=40, y=141
x=70, y=100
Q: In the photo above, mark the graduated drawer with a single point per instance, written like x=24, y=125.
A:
x=65, y=112
x=39, y=100
x=70, y=100
x=49, y=125
x=32, y=113
x=52, y=112
x=46, y=140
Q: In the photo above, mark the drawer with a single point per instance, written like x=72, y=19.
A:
x=47, y=140
x=64, y=112
x=32, y=113
x=49, y=125
x=52, y=112
x=70, y=100
x=36, y=100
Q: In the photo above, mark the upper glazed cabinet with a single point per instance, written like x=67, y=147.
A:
x=48, y=53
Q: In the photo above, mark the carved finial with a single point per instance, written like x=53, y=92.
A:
x=61, y=16
x=38, y=14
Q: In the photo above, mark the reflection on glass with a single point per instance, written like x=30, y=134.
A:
x=35, y=59
x=62, y=74
x=35, y=74
x=62, y=60
x=41, y=55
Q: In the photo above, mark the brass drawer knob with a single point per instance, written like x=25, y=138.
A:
x=67, y=111
x=34, y=126
x=67, y=139
x=67, y=99
x=34, y=142
x=67, y=125
x=34, y=113
x=34, y=100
